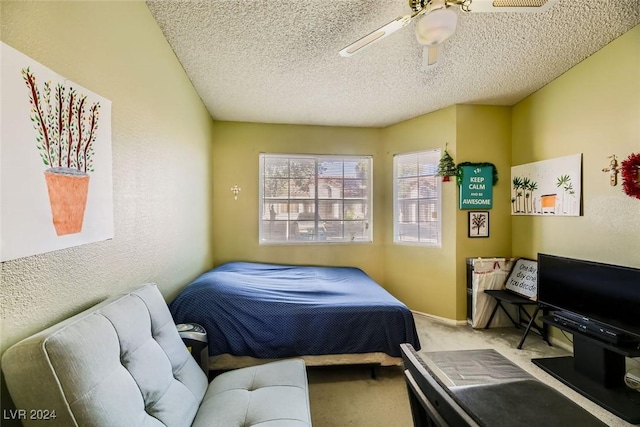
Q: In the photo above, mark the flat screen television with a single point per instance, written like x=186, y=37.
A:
x=606, y=294
x=600, y=305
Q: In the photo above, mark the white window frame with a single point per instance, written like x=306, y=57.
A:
x=263, y=237
x=433, y=170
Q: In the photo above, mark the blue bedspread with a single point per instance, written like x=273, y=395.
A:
x=274, y=311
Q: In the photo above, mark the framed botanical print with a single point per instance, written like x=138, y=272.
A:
x=479, y=224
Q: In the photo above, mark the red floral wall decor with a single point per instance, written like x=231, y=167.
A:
x=630, y=179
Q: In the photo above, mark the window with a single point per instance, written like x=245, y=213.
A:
x=315, y=199
x=416, y=195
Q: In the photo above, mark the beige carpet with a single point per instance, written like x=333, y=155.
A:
x=348, y=396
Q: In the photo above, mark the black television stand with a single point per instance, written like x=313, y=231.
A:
x=596, y=370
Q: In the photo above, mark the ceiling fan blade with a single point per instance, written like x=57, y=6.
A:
x=430, y=55
x=377, y=35
x=529, y=6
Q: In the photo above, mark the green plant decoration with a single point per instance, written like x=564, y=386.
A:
x=446, y=167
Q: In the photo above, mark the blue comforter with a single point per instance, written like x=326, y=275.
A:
x=274, y=311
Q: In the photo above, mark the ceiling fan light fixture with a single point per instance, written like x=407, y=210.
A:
x=436, y=26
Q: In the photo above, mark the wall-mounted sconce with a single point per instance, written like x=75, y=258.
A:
x=235, y=190
x=613, y=170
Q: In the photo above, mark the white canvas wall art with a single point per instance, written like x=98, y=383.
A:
x=55, y=160
x=549, y=187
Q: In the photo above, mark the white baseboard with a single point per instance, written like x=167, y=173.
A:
x=444, y=320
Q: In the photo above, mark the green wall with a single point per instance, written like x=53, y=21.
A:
x=161, y=145
x=422, y=277
x=484, y=135
x=429, y=280
x=593, y=109
x=236, y=148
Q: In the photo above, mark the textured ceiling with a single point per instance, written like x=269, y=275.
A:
x=277, y=61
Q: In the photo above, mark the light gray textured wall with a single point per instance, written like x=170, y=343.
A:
x=162, y=173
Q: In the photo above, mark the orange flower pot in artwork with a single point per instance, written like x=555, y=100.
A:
x=68, y=189
x=548, y=202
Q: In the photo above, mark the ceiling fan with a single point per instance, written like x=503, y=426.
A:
x=438, y=22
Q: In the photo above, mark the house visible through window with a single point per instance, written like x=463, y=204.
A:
x=315, y=198
x=416, y=195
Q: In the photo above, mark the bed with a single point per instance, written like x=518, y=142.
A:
x=256, y=312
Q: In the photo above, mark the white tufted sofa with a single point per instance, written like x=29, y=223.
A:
x=122, y=363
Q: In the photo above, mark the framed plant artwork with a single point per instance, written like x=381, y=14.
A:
x=478, y=224
x=56, y=177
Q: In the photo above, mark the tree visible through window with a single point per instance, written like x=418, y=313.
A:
x=314, y=198
x=417, y=194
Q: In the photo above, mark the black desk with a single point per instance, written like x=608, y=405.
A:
x=482, y=388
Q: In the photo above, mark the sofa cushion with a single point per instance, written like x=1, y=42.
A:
x=120, y=363
x=270, y=395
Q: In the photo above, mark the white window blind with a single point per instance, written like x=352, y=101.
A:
x=315, y=199
x=417, y=197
